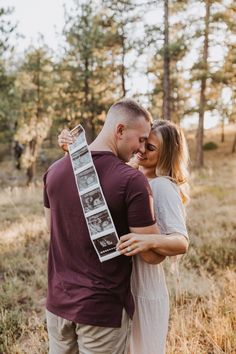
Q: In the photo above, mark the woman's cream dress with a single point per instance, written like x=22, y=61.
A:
x=150, y=323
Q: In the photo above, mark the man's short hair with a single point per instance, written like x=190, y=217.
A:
x=129, y=109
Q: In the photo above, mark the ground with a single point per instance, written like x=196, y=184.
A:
x=203, y=299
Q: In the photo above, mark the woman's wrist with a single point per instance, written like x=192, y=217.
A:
x=153, y=242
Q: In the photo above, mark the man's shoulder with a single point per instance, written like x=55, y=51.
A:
x=57, y=166
x=59, y=163
x=129, y=173
x=134, y=173
x=113, y=164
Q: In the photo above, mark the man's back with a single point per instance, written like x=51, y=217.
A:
x=81, y=288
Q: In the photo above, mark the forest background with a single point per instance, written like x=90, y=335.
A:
x=187, y=61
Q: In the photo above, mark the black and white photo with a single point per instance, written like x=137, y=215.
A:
x=80, y=158
x=78, y=137
x=92, y=200
x=87, y=178
x=106, y=244
x=99, y=222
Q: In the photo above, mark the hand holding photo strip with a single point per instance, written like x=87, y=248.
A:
x=101, y=228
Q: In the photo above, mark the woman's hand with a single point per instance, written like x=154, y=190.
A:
x=133, y=162
x=132, y=244
x=64, y=139
x=166, y=245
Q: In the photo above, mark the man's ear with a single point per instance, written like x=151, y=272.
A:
x=120, y=130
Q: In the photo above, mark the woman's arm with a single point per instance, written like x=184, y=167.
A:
x=166, y=245
x=147, y=254
x=173, y=239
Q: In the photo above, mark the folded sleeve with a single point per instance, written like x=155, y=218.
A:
x=169, y=209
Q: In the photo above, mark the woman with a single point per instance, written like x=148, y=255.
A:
x=164, y=163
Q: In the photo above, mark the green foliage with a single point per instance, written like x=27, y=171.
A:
x=221, y=25
x=127, y=19
x=7, y=28
x=210, y=146
x=94, y=70
x=8, y=100
x=177, y=50
x=9, y=104
x=89, y=67
x=35, y=85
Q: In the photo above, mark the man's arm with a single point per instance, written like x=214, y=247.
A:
x=47, y=213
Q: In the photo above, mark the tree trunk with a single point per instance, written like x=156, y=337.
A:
x=166, y=65
x=122, y=69
x=30, y=173
x=234, y=145
x=88, y=120
x=89, y=130
x=223, y=130
x=31, y=169
x=38, y=86
x=199, y=159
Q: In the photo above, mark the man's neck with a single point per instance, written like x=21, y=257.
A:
x=102, y=144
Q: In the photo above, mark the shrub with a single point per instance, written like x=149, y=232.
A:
x=210, y=146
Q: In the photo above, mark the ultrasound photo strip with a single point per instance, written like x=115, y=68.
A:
x=101, y=228
x=80, y=158
x=93, y=201
x=78, y=135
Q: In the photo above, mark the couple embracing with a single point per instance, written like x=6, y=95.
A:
x=108, y=308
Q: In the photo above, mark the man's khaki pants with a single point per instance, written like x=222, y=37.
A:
x=67, y=337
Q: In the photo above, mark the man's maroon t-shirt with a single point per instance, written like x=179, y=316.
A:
x=80, y=287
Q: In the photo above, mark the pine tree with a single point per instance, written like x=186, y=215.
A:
x=89, y=68
x=170, y=93
x=126, y=16
x=202, y=104
x=211, y=28
x=166, y=64
x=7, y=95
x=230, y=81
x=35, y=86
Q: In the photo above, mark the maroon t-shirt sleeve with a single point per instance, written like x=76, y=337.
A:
x=139, y=202
x=45, y=195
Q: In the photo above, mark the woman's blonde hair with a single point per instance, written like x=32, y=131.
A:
x=173, y=157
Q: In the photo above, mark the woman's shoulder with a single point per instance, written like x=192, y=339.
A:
x=164, y=188
x=165, y=182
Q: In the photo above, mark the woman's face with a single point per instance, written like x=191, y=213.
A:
x=149, y=159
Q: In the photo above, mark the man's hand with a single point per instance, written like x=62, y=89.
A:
x=64, y=139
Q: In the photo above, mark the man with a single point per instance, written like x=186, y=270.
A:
x=89, y=304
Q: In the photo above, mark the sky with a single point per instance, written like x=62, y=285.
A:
x=46, y=17
x=38, y=16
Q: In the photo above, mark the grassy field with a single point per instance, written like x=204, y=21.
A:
x=203, y=302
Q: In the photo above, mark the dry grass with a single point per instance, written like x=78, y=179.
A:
x=23, y=253
x=203, y=314
x=203, y=310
